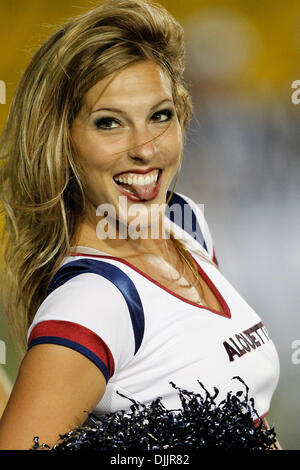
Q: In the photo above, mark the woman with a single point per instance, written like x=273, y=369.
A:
x=97, y=123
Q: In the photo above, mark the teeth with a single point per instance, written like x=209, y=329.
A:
x=139, y=180
x=130, y=191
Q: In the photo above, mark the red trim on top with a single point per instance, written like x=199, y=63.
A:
x=78, y=333
x=214, y=258
x=226, y=310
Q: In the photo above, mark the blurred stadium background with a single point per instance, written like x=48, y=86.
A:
x=242, y=153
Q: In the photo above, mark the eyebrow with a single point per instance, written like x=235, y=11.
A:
x=116, y=110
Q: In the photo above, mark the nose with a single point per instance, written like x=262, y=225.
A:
x=143, y=145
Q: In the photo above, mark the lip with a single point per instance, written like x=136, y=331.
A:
x=133, y=198
x=138, y=172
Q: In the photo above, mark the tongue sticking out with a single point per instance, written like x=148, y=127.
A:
x=145, y=191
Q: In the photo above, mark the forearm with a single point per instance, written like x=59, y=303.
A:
x=276, y=445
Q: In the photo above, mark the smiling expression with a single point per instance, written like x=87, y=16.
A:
x=128, y=128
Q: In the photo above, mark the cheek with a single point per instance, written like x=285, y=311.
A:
x=95, y=155
x=175, y=143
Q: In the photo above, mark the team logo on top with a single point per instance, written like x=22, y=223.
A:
x=244, y=342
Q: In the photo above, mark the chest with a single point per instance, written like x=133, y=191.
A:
x=184, y=343
x=186, y=280
x=174, y=323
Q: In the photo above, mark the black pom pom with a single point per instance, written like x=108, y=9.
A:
x=199, y=424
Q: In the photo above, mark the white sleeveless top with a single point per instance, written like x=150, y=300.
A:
x=142, y=336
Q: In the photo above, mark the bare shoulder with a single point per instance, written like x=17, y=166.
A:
x=55, y=389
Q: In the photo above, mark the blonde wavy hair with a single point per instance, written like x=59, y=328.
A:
x=41, y=186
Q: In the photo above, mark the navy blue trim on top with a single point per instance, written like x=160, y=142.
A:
x=72, y=345
x=117, y=277
x=189, y=223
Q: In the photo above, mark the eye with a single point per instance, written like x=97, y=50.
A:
x=164, y=115
x=109, y=123
x=106, y=123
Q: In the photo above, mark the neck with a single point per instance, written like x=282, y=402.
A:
x=125, y=247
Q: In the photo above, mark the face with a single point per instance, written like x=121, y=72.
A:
x=128, y=139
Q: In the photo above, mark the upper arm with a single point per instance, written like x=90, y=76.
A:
x=81, y=334
x=55, y=389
